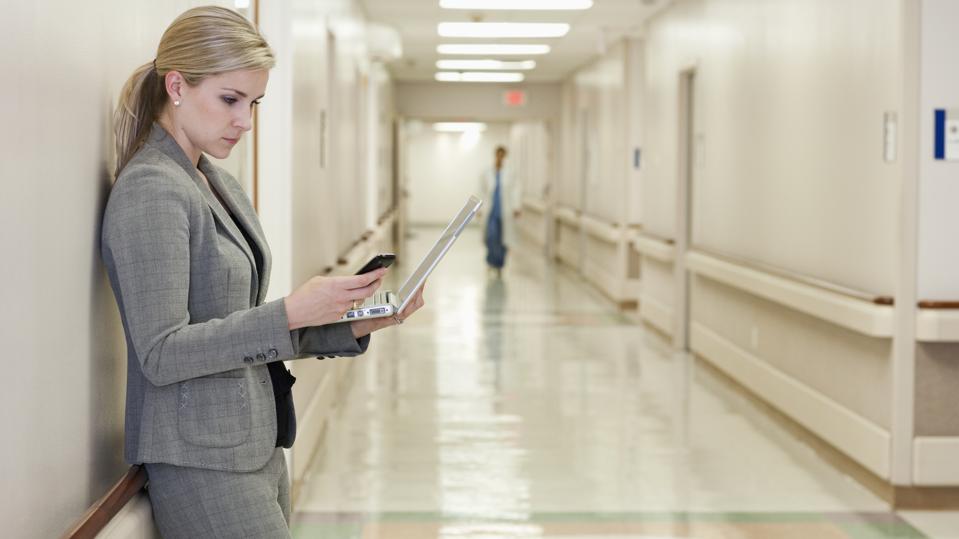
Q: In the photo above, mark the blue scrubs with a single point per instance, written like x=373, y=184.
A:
x=495, y=250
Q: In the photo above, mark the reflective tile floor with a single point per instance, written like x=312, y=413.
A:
x=528, y=406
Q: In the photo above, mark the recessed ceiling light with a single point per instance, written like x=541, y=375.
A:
x=502, y=29
x=493, y=49
x=458, y=127
x=484, y=64
x=479, y=76
x=517, y=4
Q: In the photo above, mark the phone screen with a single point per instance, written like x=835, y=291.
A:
x=382, y=260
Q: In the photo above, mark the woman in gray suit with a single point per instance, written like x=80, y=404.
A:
x=208, y=405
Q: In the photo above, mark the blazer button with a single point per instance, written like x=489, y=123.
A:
x=272, y=353
x=248, y=359
x=261, y=357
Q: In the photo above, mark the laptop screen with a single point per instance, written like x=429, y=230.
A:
x=439, y=249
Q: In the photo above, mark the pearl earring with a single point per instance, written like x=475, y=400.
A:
x=176, y=103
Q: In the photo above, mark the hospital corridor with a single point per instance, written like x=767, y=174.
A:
x=480, y=269
x=530, y=406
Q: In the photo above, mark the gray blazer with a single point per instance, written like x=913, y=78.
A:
x=199, y=335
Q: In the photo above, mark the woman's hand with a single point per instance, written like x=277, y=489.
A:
x=323, y=300
x=362, y=328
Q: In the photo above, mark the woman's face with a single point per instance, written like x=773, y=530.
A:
x=214, y=114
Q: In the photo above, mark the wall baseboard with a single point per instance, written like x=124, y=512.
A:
x=899, y=497
x=860, y=439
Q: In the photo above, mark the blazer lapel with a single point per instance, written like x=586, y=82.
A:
x=169, y=146
x=245, y=220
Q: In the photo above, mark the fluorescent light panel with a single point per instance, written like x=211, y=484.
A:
x=458, y=127
x=484, y=64
x=529, y=5
x=479, y=76
x=492, y=49
x=502, y=29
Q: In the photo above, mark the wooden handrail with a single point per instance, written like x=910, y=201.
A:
x=932, y=304
x=100, y=513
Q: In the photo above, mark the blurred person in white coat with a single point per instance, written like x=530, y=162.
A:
x=503, y=198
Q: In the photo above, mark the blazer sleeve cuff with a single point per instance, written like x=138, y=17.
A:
x=331, y=340
x=275, y=312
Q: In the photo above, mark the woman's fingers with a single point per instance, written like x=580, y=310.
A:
x=359, y=287
x=413, y=305
x=365, y=279
x=362, y=293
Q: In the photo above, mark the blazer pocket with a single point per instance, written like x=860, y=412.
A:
x=214, y=412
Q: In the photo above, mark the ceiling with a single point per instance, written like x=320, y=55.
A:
x=591, y=30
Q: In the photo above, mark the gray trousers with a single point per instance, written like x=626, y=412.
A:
x=196, y=503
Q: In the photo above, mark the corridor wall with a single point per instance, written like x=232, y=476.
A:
x=538, y=119
x=336, y=203
x=597, y=200
x=937, y=264
x=475, y=102
x=63, y=64
x=444, y=169
x=787, y=171
x=789, y=105
x=531, y=161
x=798, y=178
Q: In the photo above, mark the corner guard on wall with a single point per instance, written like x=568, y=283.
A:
x=856, y=314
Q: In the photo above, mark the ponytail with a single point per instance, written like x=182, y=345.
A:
x=200, y=43
x=140, y=103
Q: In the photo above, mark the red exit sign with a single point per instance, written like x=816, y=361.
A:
x=514, y=98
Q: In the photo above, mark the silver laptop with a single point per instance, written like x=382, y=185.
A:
x=389, y=303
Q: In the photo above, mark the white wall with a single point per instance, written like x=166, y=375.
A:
x=939, y=180
x=790, y=98
x=530, y=158
x=601, y=93
x=600, y=130
x=275, y=174
x=379, y=154
x=336, y=179
x=635, y=103
x=63, y=64
x=444, y=168
x=451, y=100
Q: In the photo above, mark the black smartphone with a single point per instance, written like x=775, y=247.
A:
x=382, y=260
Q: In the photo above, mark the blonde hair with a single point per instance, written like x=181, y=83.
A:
x=200, y=43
